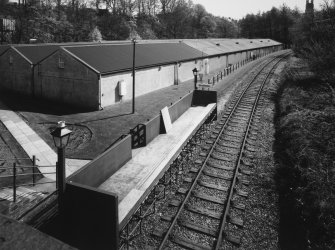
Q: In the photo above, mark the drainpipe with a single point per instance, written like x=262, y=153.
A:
x=33, y=79
x=100, y=107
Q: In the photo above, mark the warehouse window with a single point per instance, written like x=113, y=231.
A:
x=60, y=62
x=10, y=59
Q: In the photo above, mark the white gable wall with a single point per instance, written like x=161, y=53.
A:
x=146, y=80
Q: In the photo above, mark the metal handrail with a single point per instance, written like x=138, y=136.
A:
x=37, y=166
x=30, y=184
x=33, y=174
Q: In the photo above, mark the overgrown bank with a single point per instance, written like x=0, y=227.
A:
x=305, y=151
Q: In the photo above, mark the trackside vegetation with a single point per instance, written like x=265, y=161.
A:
x=305, y=138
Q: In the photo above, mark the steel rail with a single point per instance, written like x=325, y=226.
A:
x=233, y=183
x=189, y=192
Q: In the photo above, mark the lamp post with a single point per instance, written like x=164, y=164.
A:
x=134, y=43
x=195, y=73
x=61, y=137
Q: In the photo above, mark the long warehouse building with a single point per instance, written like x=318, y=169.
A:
x=96, y=75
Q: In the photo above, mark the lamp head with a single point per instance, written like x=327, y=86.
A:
x=195, y=71
x=61, y=135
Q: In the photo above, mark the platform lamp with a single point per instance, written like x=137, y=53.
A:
x=195, y=73
x=61, y=136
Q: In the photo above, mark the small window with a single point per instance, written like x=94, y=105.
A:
x=10, y=59
x=60, y=62
x=196, y=61
x=159, y=68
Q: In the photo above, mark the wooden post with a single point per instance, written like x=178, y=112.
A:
x=34, y=164
x=14, y=182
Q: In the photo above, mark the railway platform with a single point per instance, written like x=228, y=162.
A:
x=133, y=181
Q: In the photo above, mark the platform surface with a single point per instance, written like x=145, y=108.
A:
x=132, y=181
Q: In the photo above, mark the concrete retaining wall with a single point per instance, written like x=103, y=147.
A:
x=92, y=217
x=105, y=165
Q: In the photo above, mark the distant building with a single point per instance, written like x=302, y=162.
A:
x=309, y=12
x=25, y=2
x=7, y=27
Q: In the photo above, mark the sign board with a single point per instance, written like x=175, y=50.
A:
x=166, y=119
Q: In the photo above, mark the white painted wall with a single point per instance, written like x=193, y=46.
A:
x=146, y=80
x=185, y=70
x=217, y=63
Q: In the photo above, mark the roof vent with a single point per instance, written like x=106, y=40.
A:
x=251, y=41
x=261, y=41
x=217, y=44
x=237, y=43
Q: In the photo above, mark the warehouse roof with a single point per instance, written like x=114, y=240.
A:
x=108, y=58
x=36, y=53
x=222, y=46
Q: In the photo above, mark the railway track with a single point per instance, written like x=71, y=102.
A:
x=208, y=206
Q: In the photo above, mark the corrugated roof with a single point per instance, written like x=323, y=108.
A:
x=119, y=57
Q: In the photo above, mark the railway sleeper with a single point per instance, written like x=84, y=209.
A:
x=241, y=193
x=209, y=198
x=174, y=203
x=221, y=158
x=247, y=163
x=232, y=140
x=188, y=180
x=218, y=150
x=203, y=154
x=167, y=218
x=218, y=176
x=250, y=149
x=237, y=205
x=203, y=211
x=228, y=145
x=212, y=186
x=236, y=221
x=244, y=110
x=183, y=191
x=237, y=130
x=245, y=172
x=218, y=166
x=236, y=240
x=194, y=170
x=188, y=244
x=160, y=233
x=198, y=228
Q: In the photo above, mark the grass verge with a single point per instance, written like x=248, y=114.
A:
x=305, y=151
